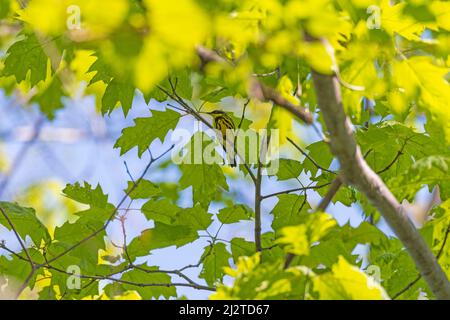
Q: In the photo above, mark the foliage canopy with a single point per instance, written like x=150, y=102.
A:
x=392, y=62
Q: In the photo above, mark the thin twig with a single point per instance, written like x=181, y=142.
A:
x=128, y=172
x=303, y=152
x=136, y=284
x=243, y=113
x=295, y=190
x=18, y=237
x=399, y=153
x=152, y=160
x=2, y=246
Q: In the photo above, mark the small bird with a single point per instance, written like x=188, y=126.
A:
x=222, y=122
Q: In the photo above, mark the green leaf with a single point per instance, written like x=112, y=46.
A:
x=346, y=282
x=161, y=236
x=156, y=94
x=146, y=130
x=4, y=8
x=234, y=214
x=144, y=190
x=397, y=270
x=49, y=100
x=289, y=210
x=183, y=83
x=320, y=152
x=413, y=145
x=271, y=253
x=173, y=226
x=196, y=218
x=214, y=258
x=241, y=248
x=101, y=69
x=206, y=179
x=440, y=225
x=341, y=242
x=26, y=55
x=89, y=225
x=263, y=281
x=86, y=195
x=300, y=238
x=245, y=124
x=162, y=210
x=69, y=235
x=13, y=272
x=424, y=82
x=289, y=169
x=359, y=70
x=430, y=171
x=118, y=93
x=25, y=222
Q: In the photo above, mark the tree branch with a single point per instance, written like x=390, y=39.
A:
x=258, y=200
x=259, y=90
x=356, y=172
x=334, y=188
